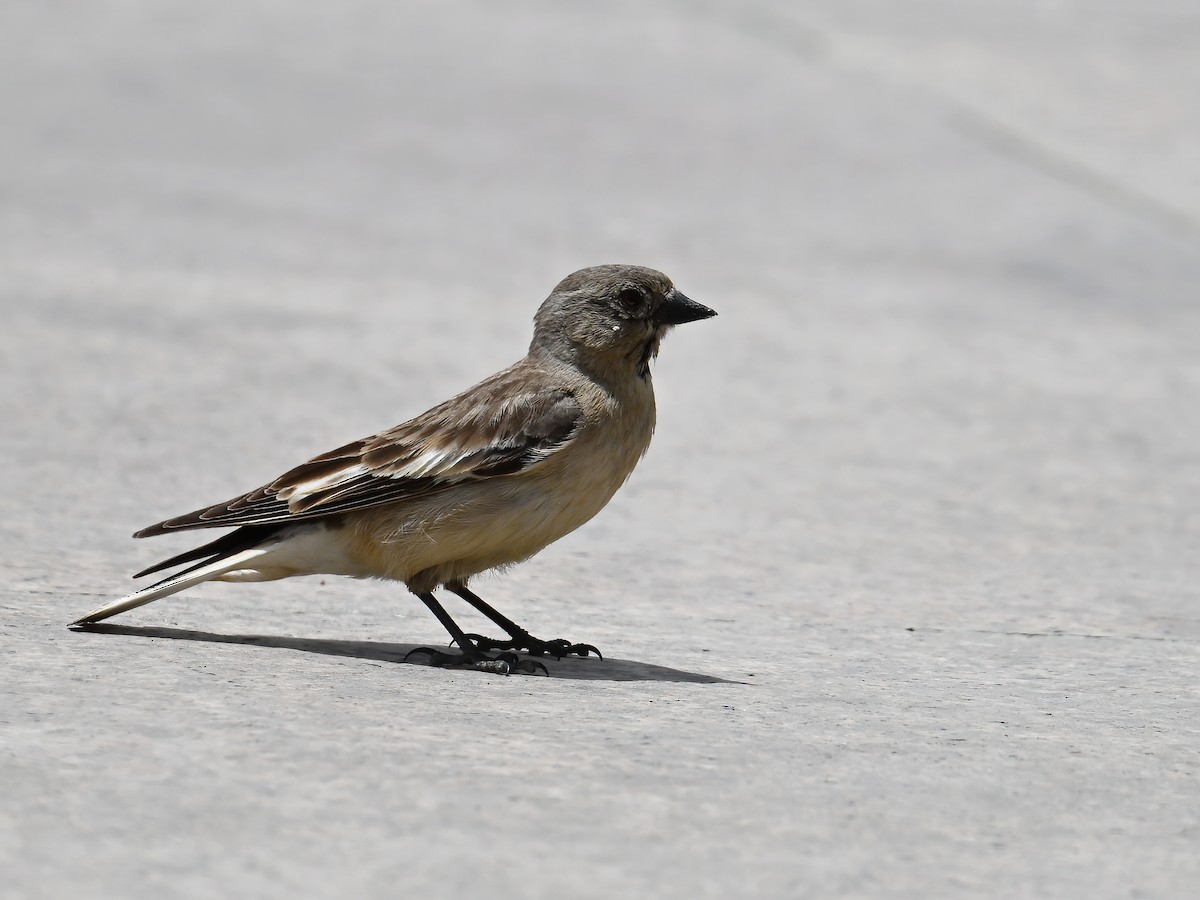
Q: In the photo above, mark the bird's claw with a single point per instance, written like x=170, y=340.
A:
x=530, y=667
x=503, y=664
x=526, y=643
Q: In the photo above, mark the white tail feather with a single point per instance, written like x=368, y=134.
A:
x=174, y=585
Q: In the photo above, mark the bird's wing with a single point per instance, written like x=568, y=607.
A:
x=498, y=428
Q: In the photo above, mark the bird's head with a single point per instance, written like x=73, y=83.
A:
x=610, y=317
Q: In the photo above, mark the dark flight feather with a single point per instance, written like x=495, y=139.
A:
x=444, y=446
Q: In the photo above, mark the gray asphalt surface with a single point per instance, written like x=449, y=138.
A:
x=905, y=600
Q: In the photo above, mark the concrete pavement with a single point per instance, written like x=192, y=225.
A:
x=902, y=603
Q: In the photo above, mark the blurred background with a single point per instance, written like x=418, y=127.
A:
x=952, y=387
x=953, y=245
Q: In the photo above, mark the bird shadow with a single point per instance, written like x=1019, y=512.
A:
x=579, y=669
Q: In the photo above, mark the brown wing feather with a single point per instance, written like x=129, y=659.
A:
x=498, y=428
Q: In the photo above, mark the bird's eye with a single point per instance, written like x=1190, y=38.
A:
x=630, y=299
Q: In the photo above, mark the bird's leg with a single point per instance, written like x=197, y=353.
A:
x=472, y=657
x=519, y=638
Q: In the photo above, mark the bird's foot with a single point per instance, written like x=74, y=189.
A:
x=524, y=642
x=500, y=664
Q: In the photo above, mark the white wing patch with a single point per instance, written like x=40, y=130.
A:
x=429, y=463
x=324, y=483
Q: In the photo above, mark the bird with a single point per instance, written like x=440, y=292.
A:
x=479, y=482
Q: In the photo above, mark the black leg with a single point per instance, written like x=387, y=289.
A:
x=519, y=638
x=472, y=657
x=513, y=629
x=468, y=649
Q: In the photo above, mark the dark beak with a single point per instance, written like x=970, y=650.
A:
x=679, y=309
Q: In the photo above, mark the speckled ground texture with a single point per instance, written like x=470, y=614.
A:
x=904, y=601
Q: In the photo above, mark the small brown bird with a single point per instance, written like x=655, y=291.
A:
x=482, y=481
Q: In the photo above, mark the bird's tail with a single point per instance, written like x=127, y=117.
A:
x=180, y=581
